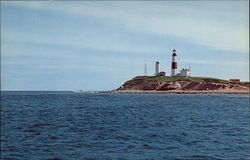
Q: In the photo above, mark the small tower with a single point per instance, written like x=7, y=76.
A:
x=157, y=68
x=145, y=70
x=189, y=70
x=174, y=64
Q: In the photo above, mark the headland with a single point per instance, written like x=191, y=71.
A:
x=181, y=82
x=182, y=85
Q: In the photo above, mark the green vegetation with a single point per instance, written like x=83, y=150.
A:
x=190, y=79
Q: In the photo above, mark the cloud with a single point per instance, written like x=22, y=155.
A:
x=219, y=25
x=78, y=41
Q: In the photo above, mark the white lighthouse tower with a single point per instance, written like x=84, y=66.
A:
x=174, y=64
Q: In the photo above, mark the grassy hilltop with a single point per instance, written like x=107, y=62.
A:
x=190, y=79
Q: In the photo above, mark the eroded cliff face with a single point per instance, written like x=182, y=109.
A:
x=142, y=83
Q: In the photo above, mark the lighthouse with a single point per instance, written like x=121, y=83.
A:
x=174, y=64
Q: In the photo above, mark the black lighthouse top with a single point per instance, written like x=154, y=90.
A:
x=174, y=53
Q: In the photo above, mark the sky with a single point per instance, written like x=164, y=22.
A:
x=98, y=45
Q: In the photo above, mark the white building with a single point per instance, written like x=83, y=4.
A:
x=184, y=73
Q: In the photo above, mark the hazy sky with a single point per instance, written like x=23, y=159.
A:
x=84, y=45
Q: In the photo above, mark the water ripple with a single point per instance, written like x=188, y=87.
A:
x=58, y=126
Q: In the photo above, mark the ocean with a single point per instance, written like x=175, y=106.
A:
x=100, y=126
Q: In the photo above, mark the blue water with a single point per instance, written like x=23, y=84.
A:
x=64, y=125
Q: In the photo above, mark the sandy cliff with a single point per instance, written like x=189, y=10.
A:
x=173, y=84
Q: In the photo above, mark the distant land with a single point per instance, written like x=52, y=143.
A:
x=186, y=85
